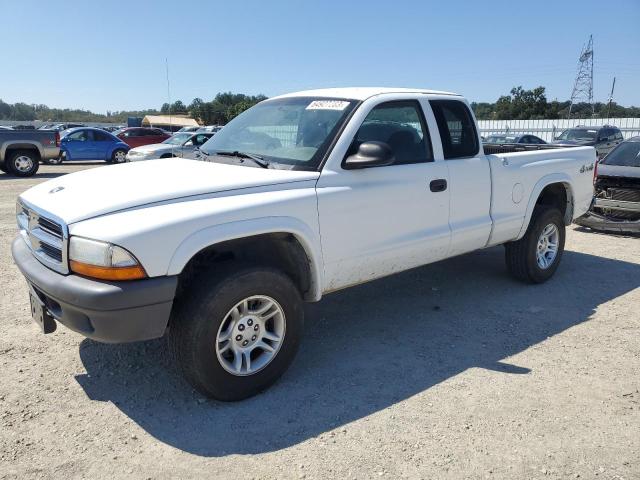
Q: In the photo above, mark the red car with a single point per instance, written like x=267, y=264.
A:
x=138, y=136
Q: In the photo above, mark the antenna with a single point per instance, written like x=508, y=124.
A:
x=166, y=63
x=613, y=86
x=583, y=85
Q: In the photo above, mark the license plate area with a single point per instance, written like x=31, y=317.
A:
x=40, y=314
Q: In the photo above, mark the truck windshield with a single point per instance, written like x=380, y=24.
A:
x=578, y=134
x=289, y=133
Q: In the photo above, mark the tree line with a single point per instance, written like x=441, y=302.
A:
x=523, y=104
x=519, y=104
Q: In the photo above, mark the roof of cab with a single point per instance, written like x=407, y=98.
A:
x=360, y=93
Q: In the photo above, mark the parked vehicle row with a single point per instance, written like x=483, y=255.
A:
x=221, y=254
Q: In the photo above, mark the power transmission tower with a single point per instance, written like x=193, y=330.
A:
x=583, y=86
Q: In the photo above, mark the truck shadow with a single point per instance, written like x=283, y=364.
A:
x=365, y=349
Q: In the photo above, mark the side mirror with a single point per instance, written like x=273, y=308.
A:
x=370, y=154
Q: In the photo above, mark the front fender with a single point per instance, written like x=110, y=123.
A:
x=545, y=181
x=209, y=236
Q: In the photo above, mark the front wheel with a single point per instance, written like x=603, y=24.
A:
x=237, y=331
x=536, y=256
x=118, y=156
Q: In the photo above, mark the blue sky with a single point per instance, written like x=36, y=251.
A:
x=110, y=55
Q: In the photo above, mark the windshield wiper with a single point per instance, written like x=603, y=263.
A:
x=257, y=159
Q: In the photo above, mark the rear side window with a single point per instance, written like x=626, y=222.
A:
x=457, y=129
x=101, y=137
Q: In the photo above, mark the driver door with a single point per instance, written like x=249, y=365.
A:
x=380, y=220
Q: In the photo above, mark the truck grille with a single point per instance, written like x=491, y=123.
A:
x=46, y=237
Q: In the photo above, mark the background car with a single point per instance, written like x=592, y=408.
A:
x=616, y=205
x=60, y=127
x=603, y=138
x=519, y=138
x=179, y=145
x=91, y=144
x=139, y=136
x=210, y=128
x=187, y=129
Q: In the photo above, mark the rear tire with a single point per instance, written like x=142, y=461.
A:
x=217, y=339
x=23, y=163
x=536, y=256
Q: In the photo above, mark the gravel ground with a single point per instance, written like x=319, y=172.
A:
x=448, y=371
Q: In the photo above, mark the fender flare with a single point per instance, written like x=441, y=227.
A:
x=544, y=182
x=212, y=235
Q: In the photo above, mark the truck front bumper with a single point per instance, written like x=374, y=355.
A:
x=111, y=312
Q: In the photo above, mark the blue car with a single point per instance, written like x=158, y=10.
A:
x=86, y=143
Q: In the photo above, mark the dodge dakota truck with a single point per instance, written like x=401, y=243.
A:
x=301, y=195
x=22, y=150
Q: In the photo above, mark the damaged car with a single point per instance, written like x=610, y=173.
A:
x=616, y=204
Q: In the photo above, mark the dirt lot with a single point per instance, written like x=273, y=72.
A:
x=448, y=371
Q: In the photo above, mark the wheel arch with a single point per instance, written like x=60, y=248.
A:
x=553, y=189
x=9, y=147
x=278, y=241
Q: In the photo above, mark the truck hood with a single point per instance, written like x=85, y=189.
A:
x=98, y=191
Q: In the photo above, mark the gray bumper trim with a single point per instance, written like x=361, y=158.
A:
x=105, y=311
x=600, y=222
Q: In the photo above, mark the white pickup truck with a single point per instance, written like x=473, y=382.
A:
x=299, y=196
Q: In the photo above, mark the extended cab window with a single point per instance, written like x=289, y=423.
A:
x=457, y=128
x=400, y=125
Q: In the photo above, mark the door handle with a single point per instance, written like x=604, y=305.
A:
x=438, y=185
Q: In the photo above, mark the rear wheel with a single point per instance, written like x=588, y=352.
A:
x=23, y=163
x=536, y=256
x=237, y=332
x=119, y=156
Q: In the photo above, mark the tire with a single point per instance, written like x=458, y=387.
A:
x=3, y=168
x=119, y=155
x=522, y=257
x=23, y=163
x=200, y=322
x=167, y=155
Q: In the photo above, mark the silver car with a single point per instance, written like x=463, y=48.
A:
x=178, y=145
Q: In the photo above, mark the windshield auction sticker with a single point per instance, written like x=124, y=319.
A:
x=327, y=105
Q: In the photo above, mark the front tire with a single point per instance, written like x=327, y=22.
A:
x=236, y=332
x=23, y=163
x=536, y=256
x=118, y=156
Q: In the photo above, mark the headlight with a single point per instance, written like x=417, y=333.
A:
x=92, y=258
